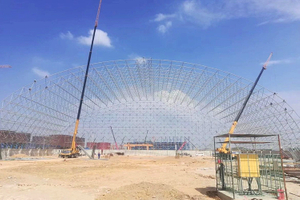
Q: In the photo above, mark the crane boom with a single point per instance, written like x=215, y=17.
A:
x=85, y=79
x=74, y=151
x=146, y=136
x=5, y=66
x=123, y=140
x=183, y=144
x=232, y=128
x=112, y=132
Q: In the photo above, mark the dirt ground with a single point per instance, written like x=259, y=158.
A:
x=120, y=177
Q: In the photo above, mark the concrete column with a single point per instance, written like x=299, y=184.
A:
x=7, y=153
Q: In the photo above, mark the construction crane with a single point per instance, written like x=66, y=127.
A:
x=232, y=128
x=5, y=66
x=122, y=141
x=112, y=132
x=183, y=144
x=191, y=143
x=146, y=136
x=74, y=151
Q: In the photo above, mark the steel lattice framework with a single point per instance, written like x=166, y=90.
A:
x=174, y=101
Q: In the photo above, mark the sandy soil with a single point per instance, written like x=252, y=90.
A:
x=120, y=177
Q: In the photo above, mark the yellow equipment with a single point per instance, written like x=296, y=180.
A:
x=232, y=128
x=129, y=146
x=248, y=165
x=74, y=151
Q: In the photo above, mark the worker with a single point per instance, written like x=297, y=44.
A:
x=99, y=155
x=222, y=173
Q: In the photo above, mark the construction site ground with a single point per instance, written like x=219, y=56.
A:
x=120, y=177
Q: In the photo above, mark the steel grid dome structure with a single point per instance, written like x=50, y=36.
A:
x=171, y=100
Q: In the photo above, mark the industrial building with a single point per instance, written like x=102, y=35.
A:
x=13, y=139
x=99, y=145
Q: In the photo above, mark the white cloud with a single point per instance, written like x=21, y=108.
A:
x=207, y=13
x=276, y=11
x=101, y=39
x=175, y=96
x=160, y=17
x=139, y=59
x=163, y=28
x=196, y=12
x=39, y=72
x=39, y=63
x=276, y=62
x=263, y=23
x=68, y=35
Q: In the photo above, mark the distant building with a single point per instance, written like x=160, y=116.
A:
x=161, y=145
x=99, y=145
x=40, y=142
x=64, y=141
x=12, y=139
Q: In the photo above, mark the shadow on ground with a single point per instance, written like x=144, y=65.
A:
x=208, y=191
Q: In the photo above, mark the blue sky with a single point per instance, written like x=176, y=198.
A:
x=46, y=37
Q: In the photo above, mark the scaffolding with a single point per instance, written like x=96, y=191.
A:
x=250, y=168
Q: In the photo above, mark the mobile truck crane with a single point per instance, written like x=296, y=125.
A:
x=73, y=152
x=232, y=128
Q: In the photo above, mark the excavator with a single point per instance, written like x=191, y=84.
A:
x=74, y=151
x=223, y=149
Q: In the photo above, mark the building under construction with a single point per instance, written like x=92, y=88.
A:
x=168, y=98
